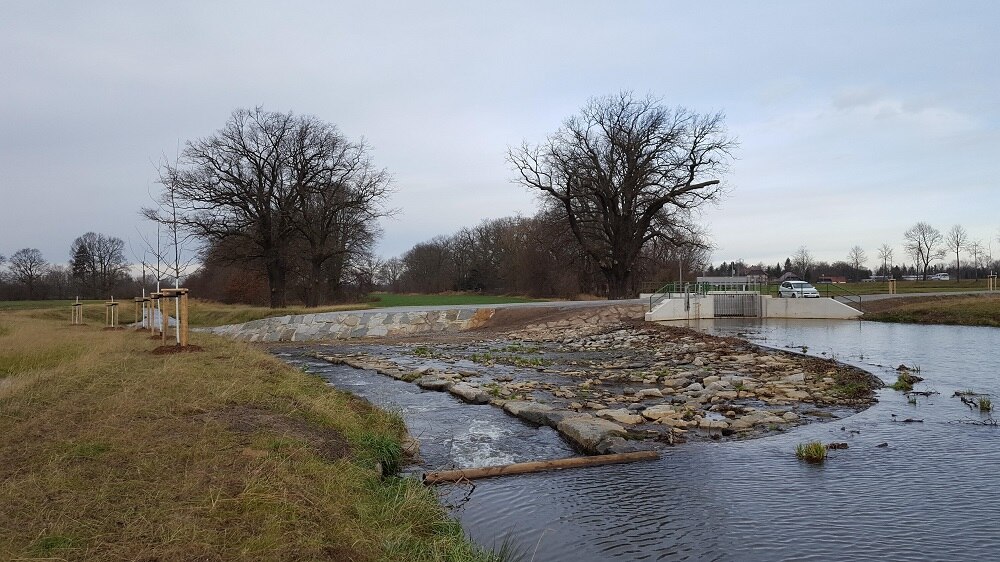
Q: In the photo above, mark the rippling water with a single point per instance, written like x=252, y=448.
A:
x=930, y=493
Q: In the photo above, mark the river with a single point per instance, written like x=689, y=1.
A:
x=902, y=491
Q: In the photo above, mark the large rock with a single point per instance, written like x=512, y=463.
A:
x=659, y=411
x=621, y=415
x=587, y=432
x=541, y=414
x=470, y=393
x=649, y=393
x=433, y=382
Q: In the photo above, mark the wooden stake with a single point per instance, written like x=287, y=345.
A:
x=535, y=466
x=184, y=319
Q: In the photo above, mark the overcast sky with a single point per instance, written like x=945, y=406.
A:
x=855, y=119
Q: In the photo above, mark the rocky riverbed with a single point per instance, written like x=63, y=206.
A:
x=609, y=383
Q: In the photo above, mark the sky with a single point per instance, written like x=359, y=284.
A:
x=855, y=120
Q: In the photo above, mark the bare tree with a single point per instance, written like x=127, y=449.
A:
x=885, y=253
x=340, y=195
x=857, y=258
x=923, y=244
x=802, y=262
x=977, y=252
x=955, y=241
x=392, y=269
x=269, y=184
x=97, y=263
x=175, y=257
x=624, y=172
x=27, y=266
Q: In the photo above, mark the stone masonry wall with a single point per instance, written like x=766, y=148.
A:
x=356, y=324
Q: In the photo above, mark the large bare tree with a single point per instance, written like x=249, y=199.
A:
x=269, y=184
x=955, y=241
x=923, y=244
x=626, y=171
x=340, y=195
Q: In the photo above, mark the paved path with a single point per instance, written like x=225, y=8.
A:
x=537, y=304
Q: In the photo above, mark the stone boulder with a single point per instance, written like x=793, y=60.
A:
x=622, y=416
x=469, y=393
x=432, y=382
x=587, y=432
x=541, y=414
x=659, y=411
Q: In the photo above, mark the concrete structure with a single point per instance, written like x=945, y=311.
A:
x=747, y=305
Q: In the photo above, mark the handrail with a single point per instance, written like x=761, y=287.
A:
x=658, y=295
x=845, y=293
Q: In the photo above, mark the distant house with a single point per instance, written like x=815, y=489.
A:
x=788, y=276
x=832, y=279
x=756, y=275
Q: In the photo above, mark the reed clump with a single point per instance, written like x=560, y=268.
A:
x=812, y=452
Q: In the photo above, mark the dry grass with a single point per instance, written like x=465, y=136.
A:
x=111, y=453
x=201, y=313
x=968, y=310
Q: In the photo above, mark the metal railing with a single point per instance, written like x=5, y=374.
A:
x=839, y=292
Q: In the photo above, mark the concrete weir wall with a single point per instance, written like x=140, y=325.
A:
x=770, y=307
x=356, y=324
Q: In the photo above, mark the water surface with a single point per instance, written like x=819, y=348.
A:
x=901, y=491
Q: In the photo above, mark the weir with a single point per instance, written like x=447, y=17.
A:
x=691, y=305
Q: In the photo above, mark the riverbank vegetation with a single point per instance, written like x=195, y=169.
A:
x=965, y=310
x=111, y=452
x=814, y=452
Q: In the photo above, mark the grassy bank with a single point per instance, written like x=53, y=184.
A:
x=111, y=452
x=965, y=310
x=209, y=313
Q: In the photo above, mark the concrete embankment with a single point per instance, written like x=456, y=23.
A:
x=357, y=324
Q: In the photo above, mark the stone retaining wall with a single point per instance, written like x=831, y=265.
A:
x=356, y=324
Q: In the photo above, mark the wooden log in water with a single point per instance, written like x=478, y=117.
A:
x=442, y=476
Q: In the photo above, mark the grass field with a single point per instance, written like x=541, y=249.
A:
x=209, y=313
x=111, y=452
x=443, y=299
x=966, y=310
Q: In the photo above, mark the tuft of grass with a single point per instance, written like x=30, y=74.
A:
x=813, y=452
x=52, y=545
x=384, y=450
x=985, y=404
x=905, y=381
x=424, y=351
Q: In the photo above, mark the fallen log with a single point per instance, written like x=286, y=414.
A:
x=443, y=476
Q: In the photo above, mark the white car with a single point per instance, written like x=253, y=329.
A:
x=797, y=289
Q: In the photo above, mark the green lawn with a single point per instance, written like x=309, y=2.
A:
x=444, y=299
x=210, y=313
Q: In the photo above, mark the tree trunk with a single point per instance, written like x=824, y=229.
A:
x=316, y=283
x=619, y=284
x=276, y=281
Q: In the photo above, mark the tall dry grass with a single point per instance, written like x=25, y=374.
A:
x=111, y=452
